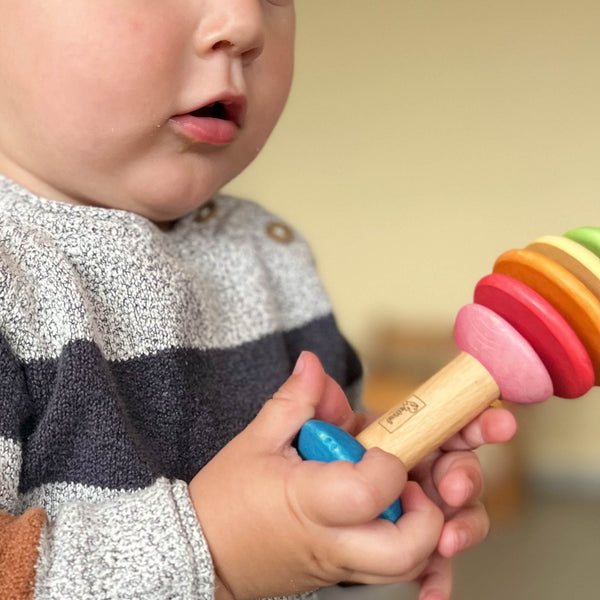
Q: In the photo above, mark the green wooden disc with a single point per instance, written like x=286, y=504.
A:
x=589, y=237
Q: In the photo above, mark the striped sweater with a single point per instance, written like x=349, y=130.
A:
x=129, y=356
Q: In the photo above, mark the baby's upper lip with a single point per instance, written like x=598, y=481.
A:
x=227, y=106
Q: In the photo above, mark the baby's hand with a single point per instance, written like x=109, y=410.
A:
x=452, y=477
x=277, y=525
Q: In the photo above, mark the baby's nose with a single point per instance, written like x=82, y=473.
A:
x=233, y=26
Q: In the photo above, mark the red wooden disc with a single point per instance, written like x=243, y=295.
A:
x=578, y=306
x=544, y=328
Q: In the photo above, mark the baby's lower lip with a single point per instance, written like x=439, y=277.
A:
x=206, y=130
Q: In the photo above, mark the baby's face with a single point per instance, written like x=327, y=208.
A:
x=146, y=105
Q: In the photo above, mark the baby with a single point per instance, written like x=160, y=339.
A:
x=161, y=344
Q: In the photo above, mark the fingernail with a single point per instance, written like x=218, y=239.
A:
x=299, y=364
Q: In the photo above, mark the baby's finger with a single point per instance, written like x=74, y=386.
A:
x=334, y=408
x=343, y=493
x=458, y=478
x=436, y=581
x=492, y=426
x=466, y=529
x=292, y=405
x=381, y=552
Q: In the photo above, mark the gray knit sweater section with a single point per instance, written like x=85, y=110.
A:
x=129, y=356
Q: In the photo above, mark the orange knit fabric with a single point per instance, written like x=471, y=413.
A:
x=19, y=539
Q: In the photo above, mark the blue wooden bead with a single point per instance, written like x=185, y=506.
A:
x=325, y=442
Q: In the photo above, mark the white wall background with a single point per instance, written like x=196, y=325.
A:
x=425, y=137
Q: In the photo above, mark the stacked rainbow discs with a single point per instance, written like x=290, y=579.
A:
x=546, y=299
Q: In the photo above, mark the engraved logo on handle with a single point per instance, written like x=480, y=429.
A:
x=403, y=412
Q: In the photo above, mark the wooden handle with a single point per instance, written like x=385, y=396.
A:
x=443, y=405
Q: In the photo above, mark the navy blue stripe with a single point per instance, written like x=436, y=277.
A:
x=122, y=424
x=15, y=407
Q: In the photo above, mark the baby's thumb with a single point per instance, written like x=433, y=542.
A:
x=292, y=405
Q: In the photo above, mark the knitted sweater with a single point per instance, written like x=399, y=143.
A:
x=129, y=356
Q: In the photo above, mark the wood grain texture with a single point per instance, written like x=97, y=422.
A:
x=504, y=352
x=438, y=409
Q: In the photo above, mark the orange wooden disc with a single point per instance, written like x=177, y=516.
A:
x=571, y=298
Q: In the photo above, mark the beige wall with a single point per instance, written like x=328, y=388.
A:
x=425, y=137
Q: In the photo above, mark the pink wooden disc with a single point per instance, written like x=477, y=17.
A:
x=504, y=352
x=555, y=342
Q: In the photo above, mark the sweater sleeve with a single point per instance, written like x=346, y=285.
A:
x=146, y=544
x=142, y=544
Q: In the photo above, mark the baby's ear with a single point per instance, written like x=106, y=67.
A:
x=294, y=403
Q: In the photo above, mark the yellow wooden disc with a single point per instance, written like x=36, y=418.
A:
x=571, y=298
x=580, y=261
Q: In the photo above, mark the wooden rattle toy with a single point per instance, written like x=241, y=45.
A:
x=533, y=331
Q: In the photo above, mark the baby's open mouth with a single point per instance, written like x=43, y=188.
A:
x=216, y=123
x=216, y=110
x=227, y=109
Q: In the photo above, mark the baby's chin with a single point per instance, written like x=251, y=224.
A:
x=163, y=212
x=168, y=199
x=164, y=220
x=162, y=204
x=165, y=216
